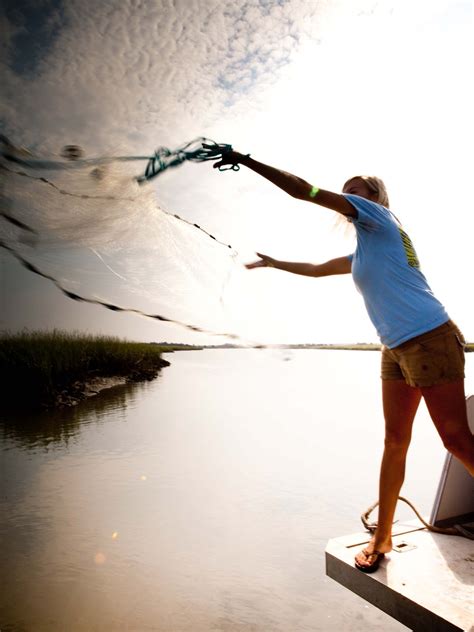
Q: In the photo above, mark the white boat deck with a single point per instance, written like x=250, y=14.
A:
x=427, y=583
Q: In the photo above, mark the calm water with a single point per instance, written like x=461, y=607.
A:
x=202, y=501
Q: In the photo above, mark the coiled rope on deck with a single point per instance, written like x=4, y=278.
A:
x=454, y=530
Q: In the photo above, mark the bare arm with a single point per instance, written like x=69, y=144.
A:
x=341, y=265
x=291, y=184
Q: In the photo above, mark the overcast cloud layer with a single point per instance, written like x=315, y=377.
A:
x=93, y=71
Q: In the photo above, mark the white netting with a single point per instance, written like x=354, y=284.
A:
x=90, y=227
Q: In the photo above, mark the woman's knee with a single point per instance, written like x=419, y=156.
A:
x=456, y=440
x=397, y=442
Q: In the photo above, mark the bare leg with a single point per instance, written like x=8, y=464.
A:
x=400, y=403
x=447, y=406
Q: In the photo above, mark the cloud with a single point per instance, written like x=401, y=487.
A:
x=138, y=75
x=133, y=73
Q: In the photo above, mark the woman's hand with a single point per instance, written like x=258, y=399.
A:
x=230, y=158
x=264, y=262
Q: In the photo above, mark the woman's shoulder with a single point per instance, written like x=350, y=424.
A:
x=370, y=215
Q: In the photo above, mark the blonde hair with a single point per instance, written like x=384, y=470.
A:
x=377, y=186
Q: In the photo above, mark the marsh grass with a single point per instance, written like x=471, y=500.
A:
x=37, y=366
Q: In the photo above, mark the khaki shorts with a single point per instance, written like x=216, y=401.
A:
x=434, y=357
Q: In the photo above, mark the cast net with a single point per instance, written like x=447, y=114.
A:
x=94, y=228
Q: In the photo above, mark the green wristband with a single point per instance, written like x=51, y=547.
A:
x=314, y=192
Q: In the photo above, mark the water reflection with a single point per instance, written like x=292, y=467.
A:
x=201, y=501
x=47, y=429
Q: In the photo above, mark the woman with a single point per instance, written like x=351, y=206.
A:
x=422, y=352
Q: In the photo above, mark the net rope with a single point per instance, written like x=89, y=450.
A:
x=36, y=224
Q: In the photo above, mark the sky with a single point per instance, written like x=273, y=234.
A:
x=324, y=89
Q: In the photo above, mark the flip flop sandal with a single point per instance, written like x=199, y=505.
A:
x=375, y=564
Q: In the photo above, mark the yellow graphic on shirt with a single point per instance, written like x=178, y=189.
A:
x=410, y=251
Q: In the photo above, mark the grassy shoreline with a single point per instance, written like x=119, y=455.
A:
x=49, y=369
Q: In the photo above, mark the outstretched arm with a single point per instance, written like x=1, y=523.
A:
x=341, y=265
x=291, y=184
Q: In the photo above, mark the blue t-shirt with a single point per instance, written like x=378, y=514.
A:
x=386, y=271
